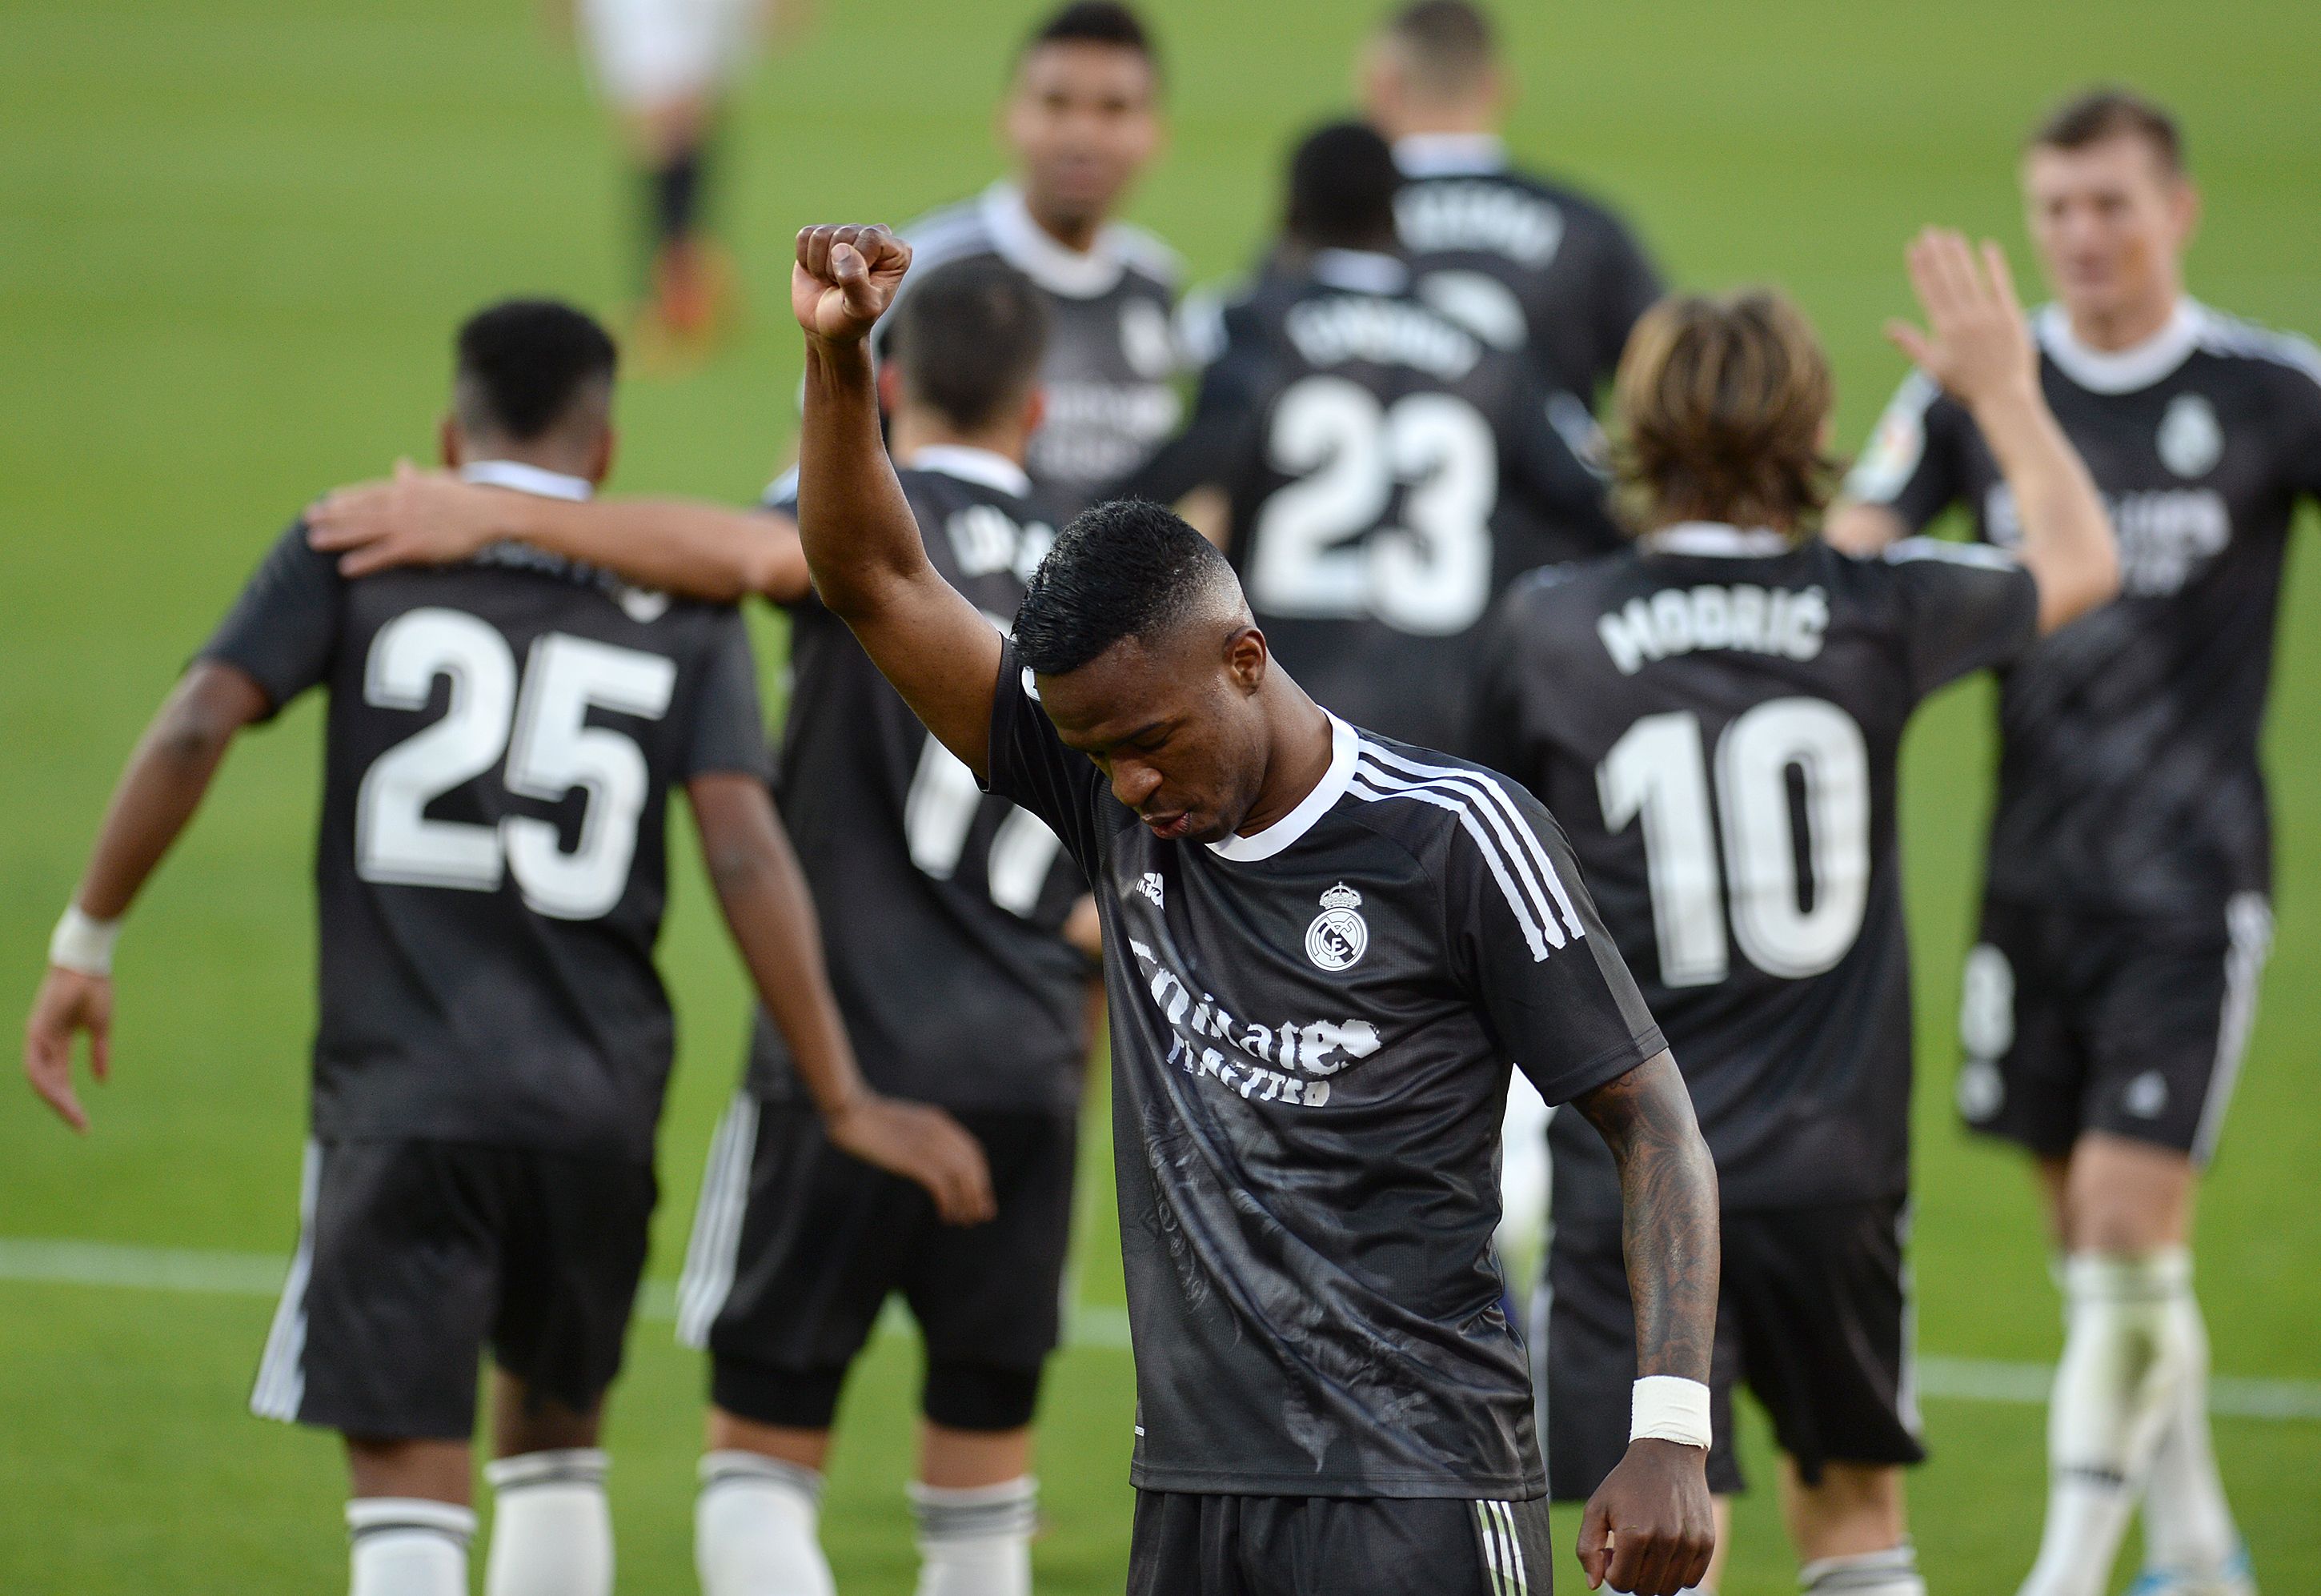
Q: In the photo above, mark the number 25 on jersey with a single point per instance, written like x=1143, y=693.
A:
x=550, y=749
x=1657, y=772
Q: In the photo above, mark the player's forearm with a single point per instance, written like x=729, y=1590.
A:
x=164, y=783
x=2068, y=544
x=769, y=911
x=1670, y=1233
x=859, y=539
x=702, y=551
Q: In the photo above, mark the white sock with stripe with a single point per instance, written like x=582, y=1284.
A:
x=551, y=1526
x=407, y=1546
x=975, y=1540
x=1890, y=1572
x=2125, y=1361
x=2188, y=1525
x=755, y=1527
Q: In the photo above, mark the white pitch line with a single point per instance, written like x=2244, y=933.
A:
x=260, y=1274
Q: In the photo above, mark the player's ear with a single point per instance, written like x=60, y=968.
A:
x=1035, y=411
x=446, y=443
x=2185, y=205
x=890, y=386
x=1246, y=658
x=600, y=463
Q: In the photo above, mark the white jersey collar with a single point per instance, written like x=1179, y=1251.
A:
x=1363, y=271
x=2120, y=371
x=1715, y=539
x=527, y=478
x=1031, y=249
x=1450, y=155
x=983, y=467
x=1274, y=838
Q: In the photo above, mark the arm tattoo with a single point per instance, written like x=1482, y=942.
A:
x=1669, y=1227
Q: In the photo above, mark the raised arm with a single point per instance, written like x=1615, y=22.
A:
x=1650, y=1528
x=160, y=791
x=1979, y=347
x=862, y=544
x=767, y=907
x=703, y=550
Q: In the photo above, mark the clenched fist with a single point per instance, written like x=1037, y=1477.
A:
x=844, y=279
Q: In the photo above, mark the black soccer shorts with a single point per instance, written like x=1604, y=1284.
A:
x=1334, y=1545
x=1814, y=1315
x=413, y=1256
x=796, y=1247
x=2132, y=1025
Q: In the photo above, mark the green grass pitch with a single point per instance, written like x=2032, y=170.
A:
x=233, y=236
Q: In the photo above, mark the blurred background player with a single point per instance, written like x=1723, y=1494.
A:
x=2126, y=910
x=1528, y=264
x=1082, y=121
x=666, y=67
x=960, y=963
x=494, y=1039
x=1729, y=674
x=1380, y=473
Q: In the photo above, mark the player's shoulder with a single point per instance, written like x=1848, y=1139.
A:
x=2285, y=358
x=1440, y=808
x=960, y=231
x=1580, y=208
x=1553, y=592
x=1144, y=255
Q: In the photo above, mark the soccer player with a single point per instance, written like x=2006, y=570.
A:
x=1730, y=676
x=1387, y=473
x=1322, y=951
x=2125, y=918
x=945, y=914
x=1082, y=119
x=1527, y=263
x=666, y=66
x=493, y=1040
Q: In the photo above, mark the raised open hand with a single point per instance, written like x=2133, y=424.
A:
x=844, y=279
x=1976, y=344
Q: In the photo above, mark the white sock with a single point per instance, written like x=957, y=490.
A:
x=552, y=1527
x=1890, y=1572
x=975, y=1540
x=2125, y=1361
x=2188, y=1526
x=754, y=1527
x=407, y=1546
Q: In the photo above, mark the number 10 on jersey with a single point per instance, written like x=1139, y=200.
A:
x=1659, y=773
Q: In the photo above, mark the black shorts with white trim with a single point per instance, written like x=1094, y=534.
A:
x=1813, y=1315
x=2130, y=1024
x=1337, y=1546
x=415, y=1256
x=796, y=1247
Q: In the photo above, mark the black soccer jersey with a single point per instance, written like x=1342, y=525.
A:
x=1717, y=717
x=1528, y=264
x=1390, y=474
x=2128, y=775
x=491, y=865
x=1109, y=376
x=941, y=909
x=1311, y=1030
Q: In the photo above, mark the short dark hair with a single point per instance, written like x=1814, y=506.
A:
x=1120, y=570
x=1449, y=42
x=523, y=365
x=1343, y=181
x=970, y=340
x=1095, y=22
x=2110, y=112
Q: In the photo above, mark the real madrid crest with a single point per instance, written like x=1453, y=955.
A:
x=1336, y=938
x=2192, y=439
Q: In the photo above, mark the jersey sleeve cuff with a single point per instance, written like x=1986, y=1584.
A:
x=1611, y=1063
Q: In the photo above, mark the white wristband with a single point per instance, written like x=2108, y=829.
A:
x=82, y=944
x=1670, y=1408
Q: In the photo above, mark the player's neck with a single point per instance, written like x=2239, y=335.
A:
x=1447, y=121
x=1077, y=232
x=915, y=429
x=540, y=455
x=2115, y=328
x=1302, y=747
